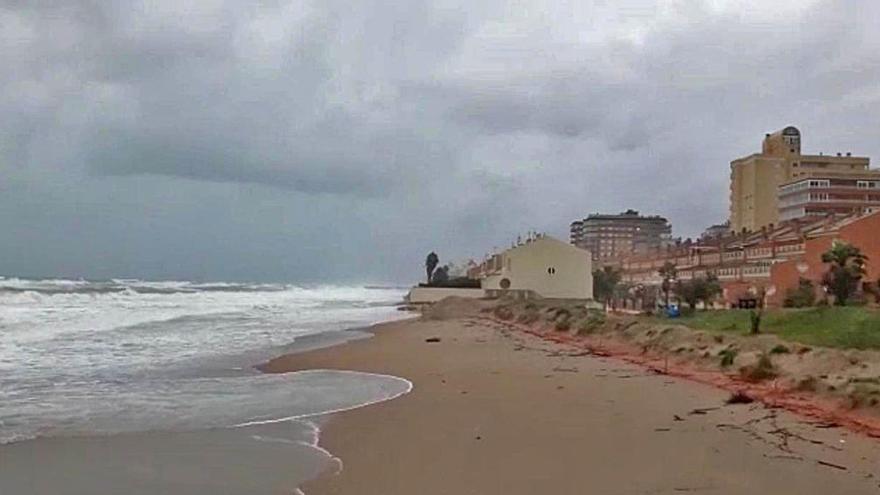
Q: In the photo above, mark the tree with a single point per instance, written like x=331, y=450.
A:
x=756, y=315
x=846, y=271
x=698, y=289
x=622, y=292
x=605, y=282
x=431, y=263
x=711, y=289
x=688, y=292
x=803, y=296
x=669, y=275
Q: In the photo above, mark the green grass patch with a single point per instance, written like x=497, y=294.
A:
x=844, y=327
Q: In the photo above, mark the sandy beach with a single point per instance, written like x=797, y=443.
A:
x=495, y=411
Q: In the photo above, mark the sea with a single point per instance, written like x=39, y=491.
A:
x=150, y=386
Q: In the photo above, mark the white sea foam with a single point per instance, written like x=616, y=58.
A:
x=124, y=355
x=376, y=400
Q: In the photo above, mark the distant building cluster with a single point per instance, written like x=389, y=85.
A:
x=786, y=208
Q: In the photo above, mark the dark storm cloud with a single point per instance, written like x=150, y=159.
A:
x=340, y=140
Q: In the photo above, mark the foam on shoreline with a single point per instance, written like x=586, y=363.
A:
x=409, y=387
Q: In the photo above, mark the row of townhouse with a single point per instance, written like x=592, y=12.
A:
x=769, y=261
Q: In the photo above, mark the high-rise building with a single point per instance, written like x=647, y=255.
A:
x=607, y=236
x=755, y=179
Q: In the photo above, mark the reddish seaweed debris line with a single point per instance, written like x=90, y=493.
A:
x=803, y=404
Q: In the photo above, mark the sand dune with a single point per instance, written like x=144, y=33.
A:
x=495, y=411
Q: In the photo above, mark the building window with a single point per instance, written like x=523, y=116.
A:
x=551, y=271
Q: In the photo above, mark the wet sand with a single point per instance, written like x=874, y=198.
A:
x=494, y=411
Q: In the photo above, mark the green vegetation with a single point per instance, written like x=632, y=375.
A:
x=605, y=283
x=594, y=320
x=727, y=357
x=563, y=325
x=698, y=289
x=829, y=326
x=779, y=349
x=847, y=269
x=669, y=275
x=529, y=315
x=760, y=371
x=803, y=296
x=755, y=321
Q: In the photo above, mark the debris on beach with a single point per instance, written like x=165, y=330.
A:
x=739, y=397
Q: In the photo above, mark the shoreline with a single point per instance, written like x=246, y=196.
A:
x=274, y=454
x=479, y=392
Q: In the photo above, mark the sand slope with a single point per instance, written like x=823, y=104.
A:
x=498, y=412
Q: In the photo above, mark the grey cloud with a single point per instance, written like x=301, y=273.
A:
x=343, y=140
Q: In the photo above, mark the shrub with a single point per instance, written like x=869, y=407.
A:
x=452, y=283
x=803, y=296
x=563, y=325
x=561, y=314
x=807, y=384
x=727, y=357
x=780, y=349
x=593, y=321
x=760, y=371
x=528, y=317
x=503, y=313
x=755, y=322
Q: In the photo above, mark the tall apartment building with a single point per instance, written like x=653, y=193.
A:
x=614, y=235
x=755, y=179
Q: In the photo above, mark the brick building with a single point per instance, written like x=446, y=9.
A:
x=770, y=261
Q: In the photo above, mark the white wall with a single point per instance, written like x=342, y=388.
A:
x=430, y=295
x=527, y=267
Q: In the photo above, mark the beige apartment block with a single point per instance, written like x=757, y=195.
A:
x=755, y=179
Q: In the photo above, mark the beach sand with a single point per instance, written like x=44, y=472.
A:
x=494, y=411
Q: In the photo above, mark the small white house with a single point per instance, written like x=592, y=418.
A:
x=546, y=266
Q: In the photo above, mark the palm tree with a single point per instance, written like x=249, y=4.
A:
x=605, y=283
x=847, y=269
x=431, y=263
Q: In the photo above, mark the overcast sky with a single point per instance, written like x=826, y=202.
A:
x=342, y=140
